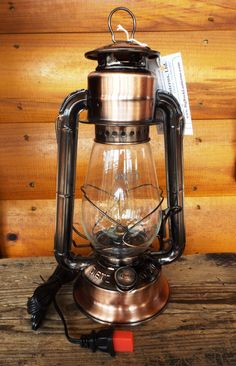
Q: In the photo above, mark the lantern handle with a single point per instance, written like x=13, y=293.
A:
x=169, y=112
x=109, y=21
x=67, y=137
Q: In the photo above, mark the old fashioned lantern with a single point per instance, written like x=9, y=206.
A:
x=121, y=282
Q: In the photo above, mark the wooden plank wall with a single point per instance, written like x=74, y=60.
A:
x=42, y=45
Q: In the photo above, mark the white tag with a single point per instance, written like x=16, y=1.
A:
x=170, y=77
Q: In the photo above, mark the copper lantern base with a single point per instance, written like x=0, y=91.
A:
x=126, y=295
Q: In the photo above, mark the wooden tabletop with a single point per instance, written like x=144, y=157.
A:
x=197, y=328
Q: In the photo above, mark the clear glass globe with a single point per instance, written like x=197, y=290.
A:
x=121, y=212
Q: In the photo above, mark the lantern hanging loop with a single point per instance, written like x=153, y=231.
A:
x=110, y=26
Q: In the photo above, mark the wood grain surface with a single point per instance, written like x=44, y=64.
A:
x=27, y=226
x=198, y=327
x=38, y=71
x=28, y=159
x=29, y=16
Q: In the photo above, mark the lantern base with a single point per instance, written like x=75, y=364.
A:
x=100, y=293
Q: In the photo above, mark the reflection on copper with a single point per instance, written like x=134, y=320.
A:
x=120, y=307
x=121, y=97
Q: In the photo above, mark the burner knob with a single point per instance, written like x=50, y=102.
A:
x=125, y=278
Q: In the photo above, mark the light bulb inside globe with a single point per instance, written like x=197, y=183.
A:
x=121, y=207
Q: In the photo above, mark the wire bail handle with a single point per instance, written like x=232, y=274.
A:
x=109, y=21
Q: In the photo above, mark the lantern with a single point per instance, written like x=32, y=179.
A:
x=122, y=281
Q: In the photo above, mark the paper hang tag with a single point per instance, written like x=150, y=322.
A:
x=171, y=78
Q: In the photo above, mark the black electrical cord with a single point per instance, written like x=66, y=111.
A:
x=104, y=340
x=60, y=313
x=44, y=294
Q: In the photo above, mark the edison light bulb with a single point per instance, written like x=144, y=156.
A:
x=121, y=211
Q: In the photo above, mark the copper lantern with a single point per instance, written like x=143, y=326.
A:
x=121, y=282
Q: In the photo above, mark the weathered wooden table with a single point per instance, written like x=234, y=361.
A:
x=197, y=328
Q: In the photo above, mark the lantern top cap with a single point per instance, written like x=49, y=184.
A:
x=122, y=49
